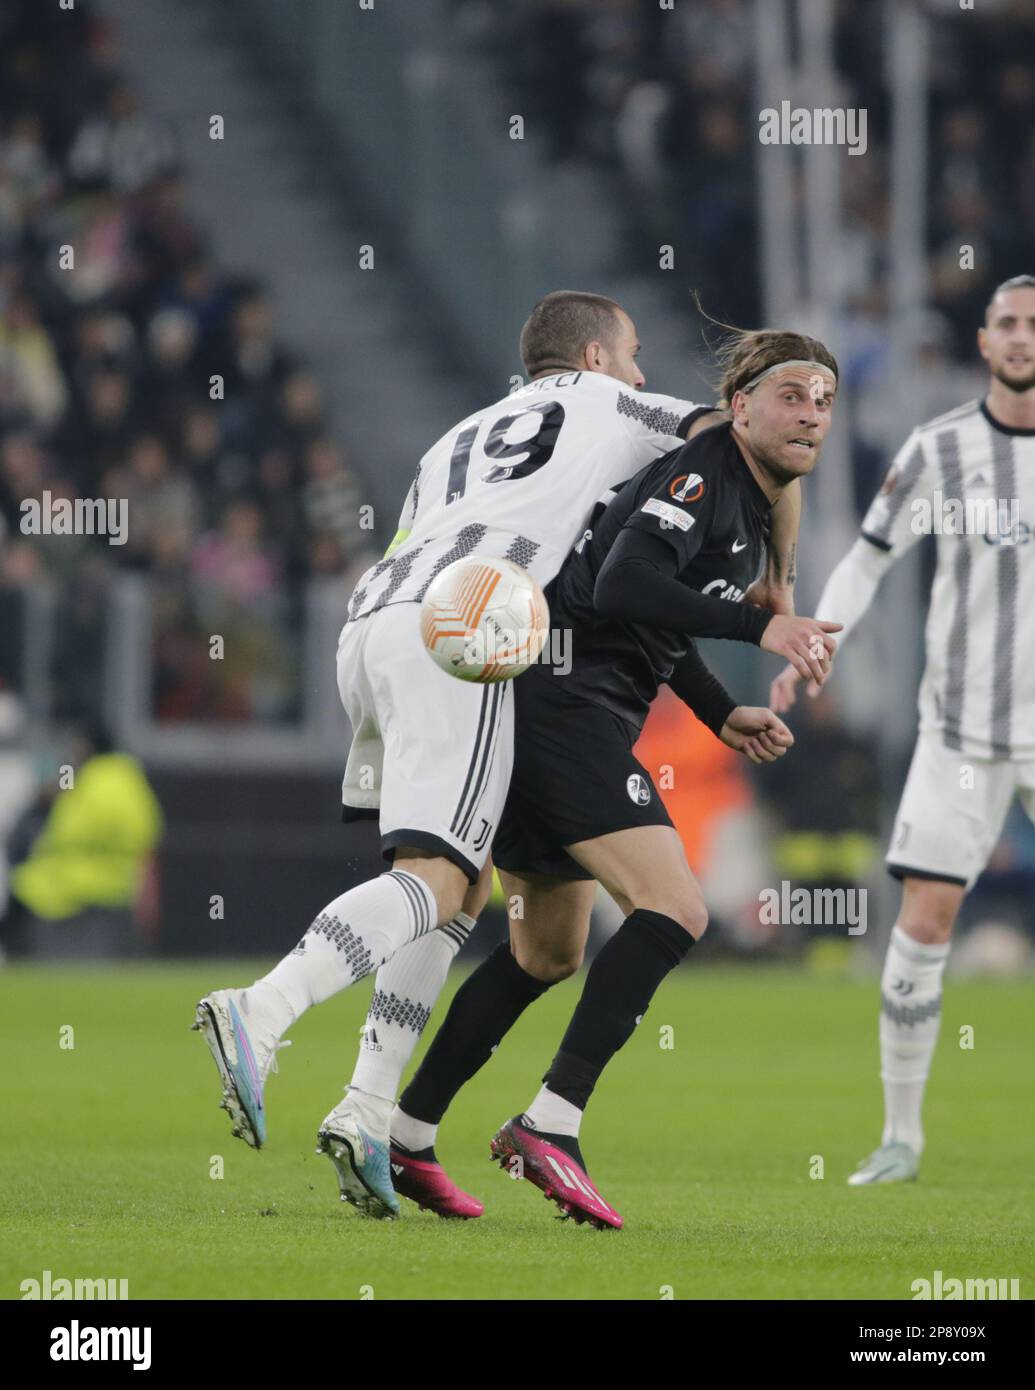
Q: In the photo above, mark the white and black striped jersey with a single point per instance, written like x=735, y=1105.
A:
x=519, y=479
x=971, y=481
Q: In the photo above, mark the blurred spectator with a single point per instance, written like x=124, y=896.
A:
x=169, y=381
x=666, y=99
x=23, y=157
x=106, y=369
x=236, y=560
x=217, y=472
x=27, y=355
x=120, y=145
x=299, y=410
x=22, y=474
x=162, y=503
x=254, y=360
x=331, y=496
x=105, y=425
x=75, y=890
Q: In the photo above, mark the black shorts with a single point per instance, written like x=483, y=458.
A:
x=574, y=778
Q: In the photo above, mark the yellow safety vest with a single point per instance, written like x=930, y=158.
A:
x=95, y=842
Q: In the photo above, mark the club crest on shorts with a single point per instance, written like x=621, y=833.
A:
x=638, y=789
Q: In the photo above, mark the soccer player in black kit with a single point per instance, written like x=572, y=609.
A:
x=668, y=559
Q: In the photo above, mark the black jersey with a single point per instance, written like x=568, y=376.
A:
x=704, y=503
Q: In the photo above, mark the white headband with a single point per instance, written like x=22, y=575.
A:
x=779, y=366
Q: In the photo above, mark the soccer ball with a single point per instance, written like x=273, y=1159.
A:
x=484, y=620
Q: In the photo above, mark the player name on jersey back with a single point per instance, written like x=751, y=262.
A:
x=518, y=480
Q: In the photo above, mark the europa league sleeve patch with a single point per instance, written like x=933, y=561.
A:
x=667, y=514
x=687, y=488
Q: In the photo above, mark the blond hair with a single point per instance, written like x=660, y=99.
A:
x=745, y=353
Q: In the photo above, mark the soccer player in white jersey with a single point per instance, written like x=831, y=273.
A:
x=431, y=756
x=975, y=467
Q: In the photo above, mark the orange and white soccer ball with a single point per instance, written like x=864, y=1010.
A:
x=484, y=620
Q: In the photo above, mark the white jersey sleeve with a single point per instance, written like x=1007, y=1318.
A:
x=853, y=582
x=889, y=529
x=654, y=423
x=408, y=515
x=892, y=523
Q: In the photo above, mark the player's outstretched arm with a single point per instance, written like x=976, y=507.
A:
x=775, y=588
x=848, y=592
x=757, y=733
x=637, y=584
x=888, y=531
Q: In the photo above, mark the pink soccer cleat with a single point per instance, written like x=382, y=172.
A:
x=559, y=1176
x=429, y=1185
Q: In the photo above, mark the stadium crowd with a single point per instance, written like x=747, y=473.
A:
x=664, y=100
x=108, y=353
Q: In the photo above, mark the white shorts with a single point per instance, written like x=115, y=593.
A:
x=952, y=811
x=431, y=756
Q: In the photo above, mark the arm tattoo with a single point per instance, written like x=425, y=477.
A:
x=785, y=574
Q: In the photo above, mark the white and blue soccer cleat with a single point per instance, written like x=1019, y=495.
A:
x=355, y=1137
x=894, y=1162
x=244, y=1045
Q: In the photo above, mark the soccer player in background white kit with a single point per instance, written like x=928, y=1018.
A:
x=976, y=744
x=431, y=756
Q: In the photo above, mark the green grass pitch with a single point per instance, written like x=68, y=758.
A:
x=706, y=1146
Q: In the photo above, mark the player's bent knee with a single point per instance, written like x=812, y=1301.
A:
x=477, y=894
x=692, y=916
x=929, y=910
x=450, y=891
x=927, y=931
x=675, y=896
x=550, y=969
x=450, y=902
x=446, y=880
x=696, y=922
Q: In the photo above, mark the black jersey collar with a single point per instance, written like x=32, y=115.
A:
x=998, y=424
x=748, y=481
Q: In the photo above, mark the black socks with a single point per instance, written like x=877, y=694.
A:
x=484, y=1008
x=619, y=987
